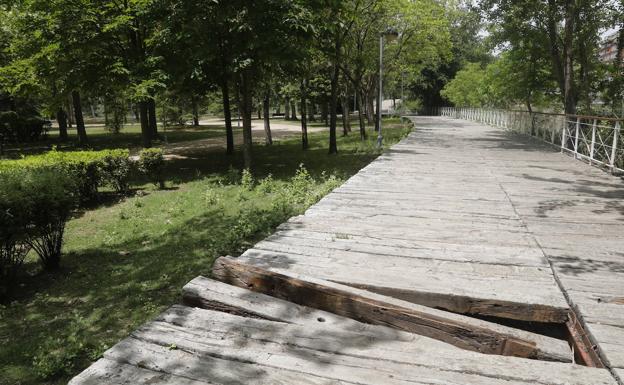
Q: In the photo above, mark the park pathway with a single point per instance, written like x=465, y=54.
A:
x=460, y=240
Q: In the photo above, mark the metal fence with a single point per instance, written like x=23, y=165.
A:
x=593, y=139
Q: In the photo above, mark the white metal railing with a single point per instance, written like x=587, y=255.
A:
x=593, y=139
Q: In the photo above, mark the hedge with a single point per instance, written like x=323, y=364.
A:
x=89, y=169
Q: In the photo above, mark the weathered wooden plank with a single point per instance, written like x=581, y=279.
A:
x=480, y=289
x=412, y=261
x=461, y=331
x=212, y=366
x=484, y=250
x=200, y=344
x=107, y=372
x=215, y=295
x=370, y=228
x=513, y=256
x=407, y=355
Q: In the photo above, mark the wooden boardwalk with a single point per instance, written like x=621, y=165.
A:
x=459, y=225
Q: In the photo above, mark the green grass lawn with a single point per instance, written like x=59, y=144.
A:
x=126, y=259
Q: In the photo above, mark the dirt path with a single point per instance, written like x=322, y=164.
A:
x=279, y=130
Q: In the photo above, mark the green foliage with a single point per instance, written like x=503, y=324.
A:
x=13, y=247
x=35, y=204
x=56, y=357
x=120, y=273
x=465, y=90
x=50, y=199
x=88, y=169
x=266, y=185
x=15, y=127
x=507, y=82
x=558, y=39
x=115, y=109
x=232, y=176
x=247, y=180
x=152, y=164
x=60, y=356
x=115, y=170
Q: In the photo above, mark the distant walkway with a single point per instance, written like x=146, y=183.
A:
x=279, y=130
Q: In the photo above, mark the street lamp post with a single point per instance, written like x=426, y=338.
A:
x=388, y=36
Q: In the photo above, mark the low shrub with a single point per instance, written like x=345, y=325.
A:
x=88, y=169
x=266, y=185
x=115, y=168
x=233, y=176
x=51, y=198
x=18, y=128
x=35, y=204
x=152, y=164
x=13, y=245
x=247, y=180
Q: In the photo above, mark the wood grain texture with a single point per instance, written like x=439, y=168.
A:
x=190, y=346
x=461, y=331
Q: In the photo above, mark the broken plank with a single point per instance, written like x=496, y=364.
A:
x=209, y=294
x=461, y=331
x=482, y=289
x=307, y=347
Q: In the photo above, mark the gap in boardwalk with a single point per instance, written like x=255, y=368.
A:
x=572, y=331
x=549, y=329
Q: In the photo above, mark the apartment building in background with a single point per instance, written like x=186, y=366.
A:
x=608, y=48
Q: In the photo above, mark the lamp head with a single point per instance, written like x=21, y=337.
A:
x=390, y=35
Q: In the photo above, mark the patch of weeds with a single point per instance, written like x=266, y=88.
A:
x=247, y=180
x=59, y=356
x=266, y=185
x=232, y=176
x=211, y=197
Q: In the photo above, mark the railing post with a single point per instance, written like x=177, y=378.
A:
x=563, y=132
x=593, y=142
x=578, y=124
x=616, y=132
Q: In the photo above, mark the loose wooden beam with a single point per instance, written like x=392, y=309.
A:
x=461, y=331
x=584, y=351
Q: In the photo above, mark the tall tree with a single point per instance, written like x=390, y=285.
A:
x=568, y=29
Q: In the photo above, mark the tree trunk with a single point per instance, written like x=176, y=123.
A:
x=227, y=114
x=195, y=113
x=359, y=98
x=293, y=111
x=80, y=126
x=146, y=133
x=153, y=123
x=287, y=109
x=619, y=57
x=135, y=110
x=370, y=108
x=568, y=41
x=333, y=101
x=312, y=113
x=70, y=112
x=325, y=113
x=246, y=108
x=267, y=121
x=304, y=122
x=61, y=118
x=93, y=114
x=346, y=123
